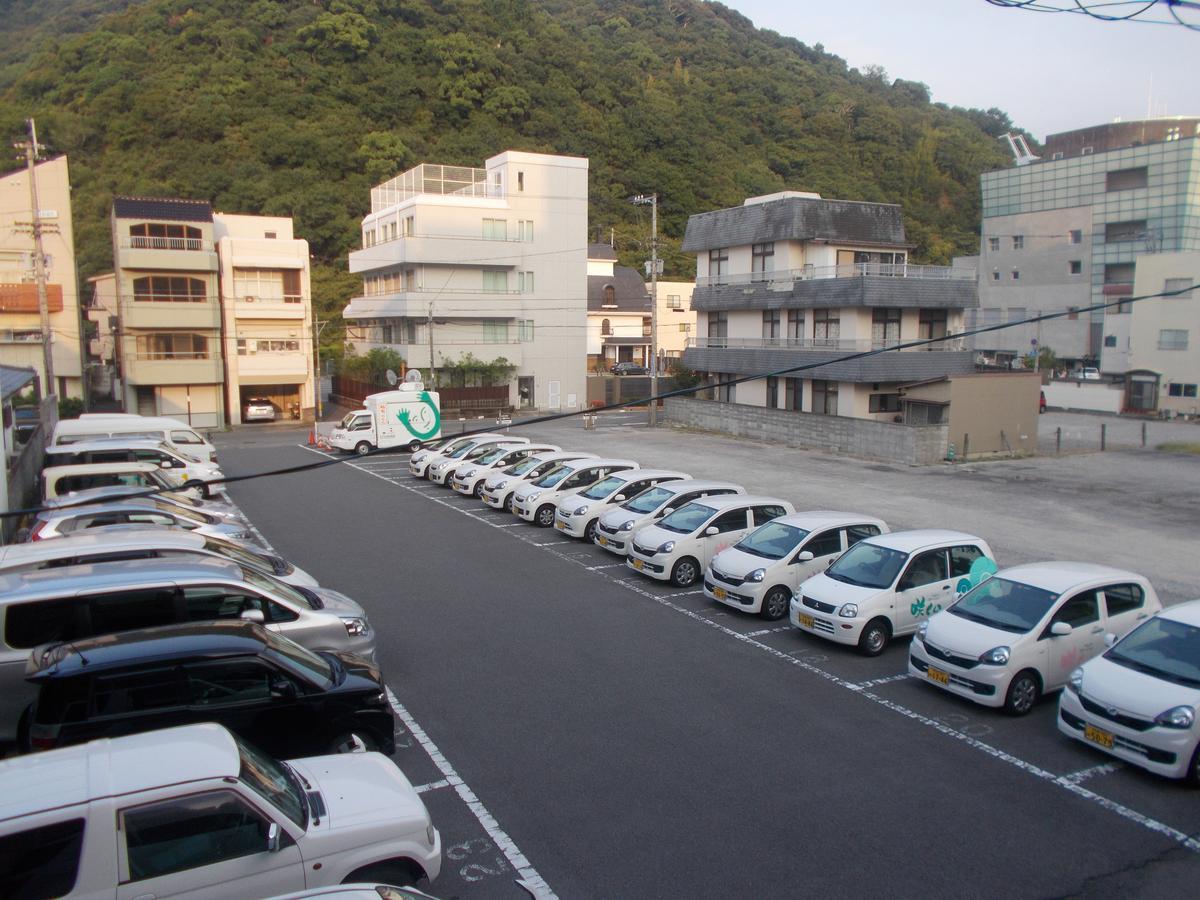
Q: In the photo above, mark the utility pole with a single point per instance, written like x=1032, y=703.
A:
x=641, y=200
x=318, y=327
x=32, y=148
x=429, y=328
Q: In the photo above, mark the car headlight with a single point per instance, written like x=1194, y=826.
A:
x=666, y=548
x=997, y=656
x=1176, y=717
x=355, y=626
x=757, y=575
x=848, y=610
x=1075, y=681
x=627, y=526
x=533, y=496
x=921, y=629
x=581, y=510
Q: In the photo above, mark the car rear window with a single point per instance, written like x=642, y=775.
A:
x=28, y=624
x=41, y=862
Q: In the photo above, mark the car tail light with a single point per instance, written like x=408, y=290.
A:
x=35, y=533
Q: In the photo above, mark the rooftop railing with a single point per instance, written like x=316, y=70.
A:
x=843, y=345
x=431, y=178
x=786, y=277
x=141, y=242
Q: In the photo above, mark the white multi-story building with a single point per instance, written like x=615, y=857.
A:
x=1160, y=353
x=489, y=261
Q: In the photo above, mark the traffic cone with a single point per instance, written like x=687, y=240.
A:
x=312, y=437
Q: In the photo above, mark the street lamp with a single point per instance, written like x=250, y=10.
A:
x=652, y=201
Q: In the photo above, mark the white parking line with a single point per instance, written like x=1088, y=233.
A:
x=554, y=544
x=606, y=566
x=769, y=631
x=1085, y=774
x=432, y=786
x=888, y=680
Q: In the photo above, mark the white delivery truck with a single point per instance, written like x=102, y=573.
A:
x=405, y=417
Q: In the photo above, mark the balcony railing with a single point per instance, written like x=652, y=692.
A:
x=786, y=277
x=830, y=344
x=142, y=242
x=168, y=298
x=422, y=236
x=432, y=178
x=160, y=355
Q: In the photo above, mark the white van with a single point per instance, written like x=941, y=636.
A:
x=176, y=465
x=194, y=811
x=617, y=526
x=57, y=481
x=537, y=500
x=680, y=546
x=885, y=586
x=760, y=572
x=579, y=513
x=96, y=426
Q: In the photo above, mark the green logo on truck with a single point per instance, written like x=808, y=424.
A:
x=425, y=421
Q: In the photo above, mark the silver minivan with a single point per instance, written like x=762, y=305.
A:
x=64, y=604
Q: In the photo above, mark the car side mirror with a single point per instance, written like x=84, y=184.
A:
x=166, y=464
x=711, y=530
x=1060, y=629
x=283, y=688
x=273, y=837
x=1110, y=639
x=667, y=511
x=619, y=498
x=253, y=615
x=803, y=556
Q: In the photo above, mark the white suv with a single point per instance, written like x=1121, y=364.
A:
x=760, y=572
x=498, y=489
x=194, y=811
x=617, y=526
x=678, y=547
x=884, y=586
x=536, y=500
x=469, y=478
x=578, y=514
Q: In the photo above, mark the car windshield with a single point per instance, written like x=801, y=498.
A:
x=688, y=518
x=648, y=501
x=1005, y=604
x=553, y=477
x=773, y=540
x=1163, y=648
x=186, y=517
x=601, y=489
x=181, y=499
x=525, y=465
x=461, y=451
x=275, y=587
x=244, y=555
x=272, y=780
x=491, y=455
x=867, y=565
x=299, y=659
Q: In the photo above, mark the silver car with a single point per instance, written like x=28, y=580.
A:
x=53, y=523
x=118, y=493
x=63, y=604
x=259, y=409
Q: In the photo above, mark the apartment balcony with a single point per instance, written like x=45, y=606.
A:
x=745, y=356
x=897, y=285
x=434, y=249
x=269, y=368
x=22, y=297
x=415, y=304
x=270, y=307
x=166, y=253
x=138, y=313
x=416, y=356
x=178, y=368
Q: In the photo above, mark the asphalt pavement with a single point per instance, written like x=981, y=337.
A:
x=569, y=718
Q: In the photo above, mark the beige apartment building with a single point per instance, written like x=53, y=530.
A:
x=1160, y=348
x=489, y=261
x=676, y=318
x=20, y=319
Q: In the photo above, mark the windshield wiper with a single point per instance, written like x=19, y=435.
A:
x=838, y=576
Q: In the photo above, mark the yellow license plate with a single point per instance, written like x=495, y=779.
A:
x=939, y=676
x=805, y=621
x=637, y=564
x=560, y=526
x=602, y=541
x=1096, y=736
x=719, y=593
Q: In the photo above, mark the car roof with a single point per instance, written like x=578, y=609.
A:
x=116, y=442
x=693, y=484
x=1058, y=577
x=69, y=581
x=724, y=501
x=112, y=767
x=119, y=493
x=141, y=646
x=920, y=538
x=562, y=455
x=630, y=474
x=72, y=506
x=100, y=540
x=812, y=519
x=602, y=461
x=99, y=468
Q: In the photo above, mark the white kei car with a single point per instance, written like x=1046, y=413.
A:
x=760, y=572
x=884, y=586
x=1020, y=633
x=617, y=526
x=440, y=471
x=419, y=462
x=498, y=489
x=678, y=547
x=1138, y=699
x=469, y=478
x=578, y=514
x=536, y=501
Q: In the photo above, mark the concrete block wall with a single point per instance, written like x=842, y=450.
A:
x=863, y=438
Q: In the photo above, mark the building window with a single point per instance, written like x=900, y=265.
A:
x=772, y=392
x=827, y=327
x=793, y=394
x=270, y=235
x=795, y=325
x=495, y=282
x=1172, y=133
x=172, y=346
x=1016, y=314
x=934, y=323
x=770, y=327
x=254, y=346
x=1177, y=284
x=1125, y=179
x=154, y=236
x=410, y=226
x=170, y=289
x=1124, y=307
x=762, y=260
x=1118, y=232
x=525, y=230
x=525, y=282
x=647, y=326
x=605, y=326
x=674, y=301
x=1119, y=273
x=1181, y=390
x=685, y=327
x=725, y=391
x=1075, y=236
x=525, y=330
x=1057, y=154
x=718, y=328
x=993, y=244
x=1085, y=151
x=610, y=295
x=1110, y=340
x=718, y=265
x=495, y=331
x=495, y=229
x=392, y=231
x=825, y=397
x=885, y=327
x=884, y=403
x=267, y=284
x=520, y=181
x=1018, y=241
x=1075, y=267
x=1016, y=275
x=1173, y=339
x=995, y=274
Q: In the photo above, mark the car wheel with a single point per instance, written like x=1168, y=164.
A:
x=590, y=533
x=544, y=517
x=397, y=872
x=414, y=446
x=685, y=573
x=775, y=604
x=23, y=744
x=1023, y=693
x=353, y=742
x=362, y=448
x=874, y=638
x=477, y=491
x=1192, y=778
x=508, y=503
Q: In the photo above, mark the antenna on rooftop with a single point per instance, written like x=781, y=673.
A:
x=1020, y=149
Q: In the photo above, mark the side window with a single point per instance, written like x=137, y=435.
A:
x=190, y=832
x=150, y=689
x=856, y=533
x=1079, y=610
x=926, y=568
x=633, y=488
x=576, y=480
x=186, y=437
x=111, y=456
x=825, y=544
x=961, y=559
x=216, y=602
x=28, y=624
x=224, y=683
x=92, y=558
x=42, y=861
x=132, y=609
x=153, y=518
x=1123, y=598
x=732, y=520
x=764, y=514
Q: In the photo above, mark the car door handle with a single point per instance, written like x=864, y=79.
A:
x=1099, y=629
x=945, y=587
x=1142, y=615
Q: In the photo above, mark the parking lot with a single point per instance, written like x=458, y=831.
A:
x=611, y=735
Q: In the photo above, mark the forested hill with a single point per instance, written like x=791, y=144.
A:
x=297, y=108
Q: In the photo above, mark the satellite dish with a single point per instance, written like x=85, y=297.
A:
x=391, y=378
x=413, y=376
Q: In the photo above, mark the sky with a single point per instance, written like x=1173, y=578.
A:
x=1049, y=72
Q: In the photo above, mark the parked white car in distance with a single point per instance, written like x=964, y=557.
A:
x=498, y=489
x=578, y=514
x=761, y=572
x=617, y=526
x=419, y=462
x=680, y=546
x=440, y=471
x=469, y=478
x=884, y=586
x=1138, y=700
x=536, y=501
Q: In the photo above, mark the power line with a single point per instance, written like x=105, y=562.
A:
x=1137, y=11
